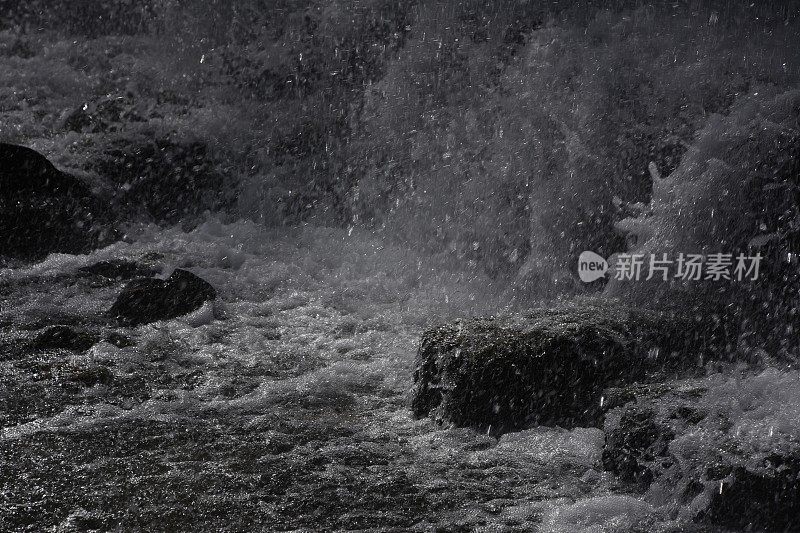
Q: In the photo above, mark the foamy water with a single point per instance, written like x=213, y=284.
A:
x=303, y=365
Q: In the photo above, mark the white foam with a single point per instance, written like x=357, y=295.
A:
x=600, y=514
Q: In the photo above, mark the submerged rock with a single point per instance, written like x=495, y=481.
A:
x=547, y=367
x=640, y=424
x=764, y=499
x=149, y=300
x=723, y=451
x=65, y=338
x=636, y=442
x=117, y=269
x=44, y=210
x=87, y=375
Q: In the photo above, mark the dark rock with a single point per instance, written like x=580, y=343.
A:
x=164, y=179
x=636, y=447
x=82, y=520
x=641, y=422
x=765, y=500
x=44, y=210
x=151, y=256
x=65, y=338
x=661, y=440
x=83, y=17
x=619, y=396
x=150, y=300
x=118, y=269
x=547, y=367
x=87, y=375
x=119, y=340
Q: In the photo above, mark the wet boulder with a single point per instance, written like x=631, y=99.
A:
x=65, y=338
x=149, y=300
x=548, y=366
x=759, y=492
x=720, y=448
x=44, y=210
x=638, y=431
x=635, y=446
x=765, y=498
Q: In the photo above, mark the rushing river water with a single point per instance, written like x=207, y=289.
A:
x=389, y=165
x=284, y=406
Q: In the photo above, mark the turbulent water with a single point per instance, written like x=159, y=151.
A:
x=283, y=406
x=356, y=171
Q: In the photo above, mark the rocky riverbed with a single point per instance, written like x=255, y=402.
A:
x=310, y=265
x=286, y=403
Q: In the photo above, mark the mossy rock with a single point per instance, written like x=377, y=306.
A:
x=548, y=366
